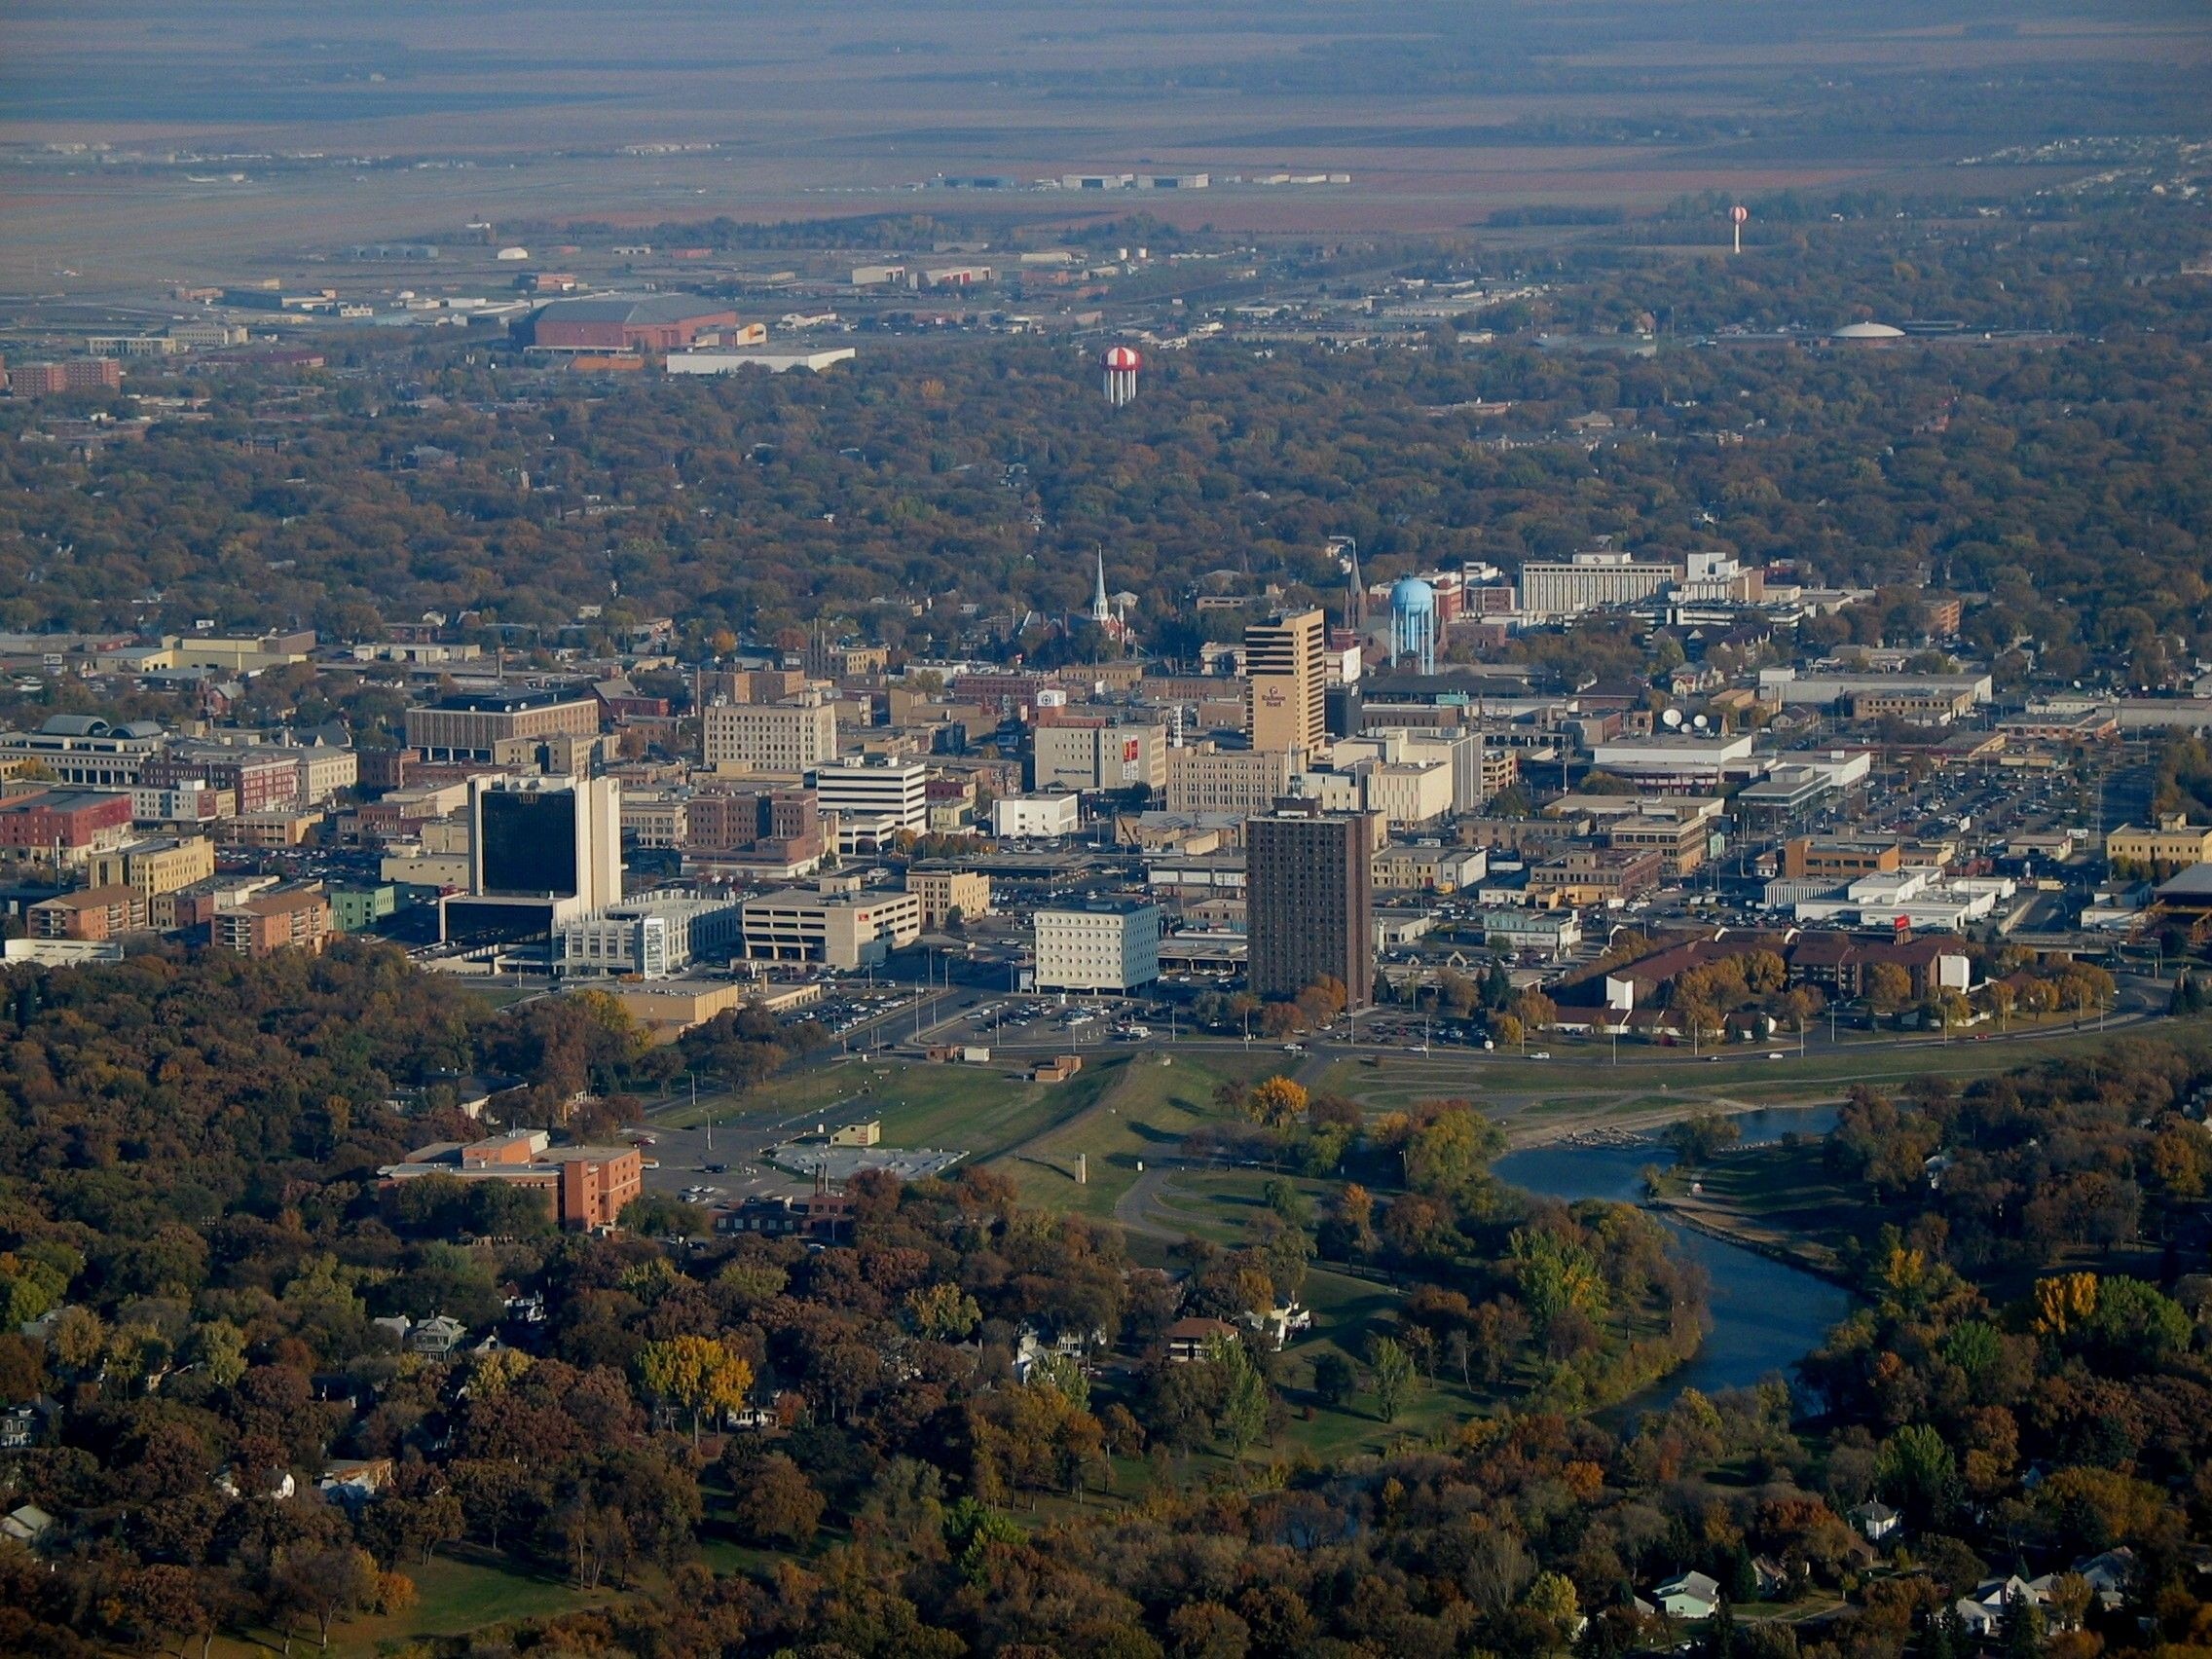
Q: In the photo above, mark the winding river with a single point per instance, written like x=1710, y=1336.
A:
x=1765, y=1313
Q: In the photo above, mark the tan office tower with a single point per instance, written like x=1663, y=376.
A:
x=1309, y=901
x=1283, y=658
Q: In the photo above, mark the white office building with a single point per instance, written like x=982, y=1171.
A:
x=1824, y=687
x=1036, y=817
x=873, y=800
x=1109, y=947
x=648, y=938
x=1597, y=580
x=838, y=924
x=1679, y=761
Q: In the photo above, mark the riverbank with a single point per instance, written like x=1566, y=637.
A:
x=1613, y=1125
x=1767, y=1311
x=1727, y=1227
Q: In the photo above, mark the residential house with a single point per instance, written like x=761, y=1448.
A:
x=1689, y=1596
x=354, y=1480
x=1188, y=1339
x=1279, y=1324
x=26, y=1426
x=1982, y=1613
x=25, y=1524
x=1877, y=1520
x=437, y=1335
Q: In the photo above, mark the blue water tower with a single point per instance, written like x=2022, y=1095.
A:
x=1413, y=623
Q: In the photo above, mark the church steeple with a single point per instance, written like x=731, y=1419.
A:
x=1101, y=607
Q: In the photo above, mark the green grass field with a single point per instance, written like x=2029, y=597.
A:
x=1139, y=1112
x=460, y=1594
x=1587, y=1077
x=978, y=1109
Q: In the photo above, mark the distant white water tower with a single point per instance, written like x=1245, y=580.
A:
x=1413, y=623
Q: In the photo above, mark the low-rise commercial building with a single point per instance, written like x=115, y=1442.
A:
x=1679, y=760
x=267, y=829
x=651, y=937
x=1829, y=688
x=2172, y=843
x=945, y=891
x=1104, y=946
x=1514, y=927
x=352, y=908
x=1681, y=832
x=1431, y=869
x=1036, y=817
x=1581, y=876
x=835, y=925
x=1837, y=858
x=584, y=1188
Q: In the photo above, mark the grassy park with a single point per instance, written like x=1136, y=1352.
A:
x=462, y=1592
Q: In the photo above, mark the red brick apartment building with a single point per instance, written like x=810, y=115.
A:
x=89, y=913
x=585, y=1187
x=77, y=374
x=278, y=921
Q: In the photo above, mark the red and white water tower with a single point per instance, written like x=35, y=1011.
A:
x=1122, y=366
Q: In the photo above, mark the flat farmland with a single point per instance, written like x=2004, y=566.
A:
x=412, y=121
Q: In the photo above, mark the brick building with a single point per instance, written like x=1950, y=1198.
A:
x=89, y=913
x=299, y=919
x=498, y=727
x=584, y=1187
x=63, y=826
x=76, y=374
x=259, y=780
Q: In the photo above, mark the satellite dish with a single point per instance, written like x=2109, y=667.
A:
x=1700, y=723
x=1672, y=720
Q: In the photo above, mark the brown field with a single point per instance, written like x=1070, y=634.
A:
x=833, y=111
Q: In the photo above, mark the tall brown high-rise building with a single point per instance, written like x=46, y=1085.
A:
x=1284, y=658
x=1309, y=901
